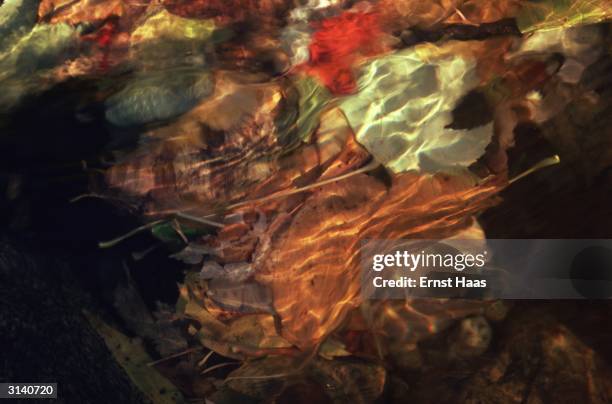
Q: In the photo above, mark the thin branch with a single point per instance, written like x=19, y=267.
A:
x=114, y=242
x=177, y=355
x=282, y=194
x=176, y=226
x=221, y=365
x=200, y=220
x=205, y=359
x=547, y=162
x=85, y=196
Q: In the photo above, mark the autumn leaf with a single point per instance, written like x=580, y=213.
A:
x=73, y=12
x=404, y=107
x=134, y=360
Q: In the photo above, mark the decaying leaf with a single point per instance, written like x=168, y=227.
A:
x=265, y=377
x=349, y=211
x=213, y=154
x=227, y=10
x=343, y=380
x=243, y=336
x=408, y=13
x=72, y=12
x=484, y=11
x=132, y=357
x=350, y=380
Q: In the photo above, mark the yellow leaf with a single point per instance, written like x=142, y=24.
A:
x=134, y=360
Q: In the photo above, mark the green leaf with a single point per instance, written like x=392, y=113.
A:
x=169, y=27
x=297, y=125
x=165, y=39
x=314, y=98
x=169, y=232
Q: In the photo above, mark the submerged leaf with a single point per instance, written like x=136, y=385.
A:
x=74, y=12
x=240, y=337
x=263, y=378
x=16, y=17
x=313, y=99
x=158, y=95
x=44, y=47
x=168, y=39
x=350, y=382
x=331, y=348
x=404, y=107
x=133, y=358
x=170, y=27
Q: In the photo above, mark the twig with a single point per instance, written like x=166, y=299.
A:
x=200, y=220
x=111, y=243
x=281, y=194
x=177, y=228
x=465, y=32
x=85, y=196
x=205, y=359
x=177, y=355
x=547, y=162
x=221, y=365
